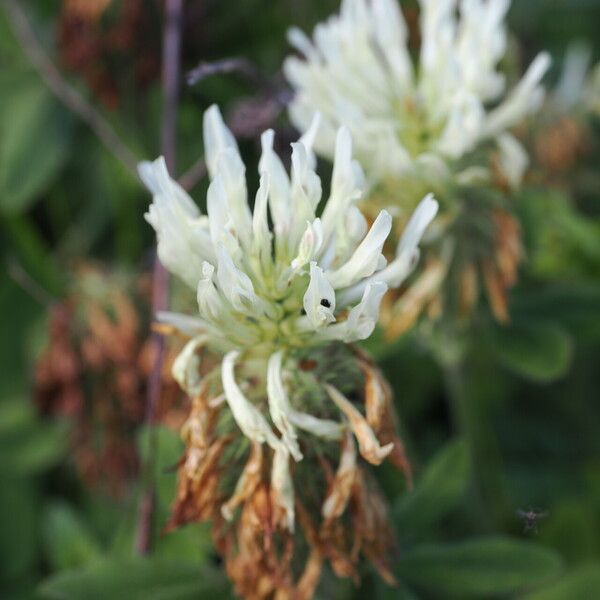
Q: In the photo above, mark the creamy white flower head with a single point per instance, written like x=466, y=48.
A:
x=357, y=71
x=276, y=277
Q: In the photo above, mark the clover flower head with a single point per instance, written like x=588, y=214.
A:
x=357, y=71
x=292, y=276
x=278, y=276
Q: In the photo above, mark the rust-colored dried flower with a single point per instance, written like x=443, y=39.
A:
x=112, y=44
x=276, y=525
x=94, y=371
x=482, y=251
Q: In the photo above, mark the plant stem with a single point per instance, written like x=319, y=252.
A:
x=160, y=285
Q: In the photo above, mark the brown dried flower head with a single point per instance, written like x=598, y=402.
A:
x=277, y=522
x=94, y=372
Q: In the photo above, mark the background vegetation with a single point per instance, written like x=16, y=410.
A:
x=515, y=426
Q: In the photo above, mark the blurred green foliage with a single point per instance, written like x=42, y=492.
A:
x=524, y=397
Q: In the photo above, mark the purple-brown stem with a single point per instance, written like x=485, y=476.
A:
x=160, y=284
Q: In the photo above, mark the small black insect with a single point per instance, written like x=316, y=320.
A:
x=325, y=303
x=531, y=518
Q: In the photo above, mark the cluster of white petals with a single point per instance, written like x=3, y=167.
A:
x=357, y=71
x=275, y=278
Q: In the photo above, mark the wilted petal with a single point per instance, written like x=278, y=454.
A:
x=247, y=482
x=369, y=447
x=249, y=419
x=377, y=394
x=186, y=367
x=279, y=406
x=282, y=489
x=324, y=428
x=341, y=487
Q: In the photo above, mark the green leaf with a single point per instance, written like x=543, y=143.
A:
x=33, y=447
x=19, y=535
x=67, y=541
x=538, y=350
x=437, y=492
x=136, y=579
x=34, y=141
x=584, y=582
x=575, y=305
x=479, y=567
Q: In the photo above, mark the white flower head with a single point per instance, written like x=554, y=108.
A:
x=273, y=280
x=276, y=276
x=357, y=71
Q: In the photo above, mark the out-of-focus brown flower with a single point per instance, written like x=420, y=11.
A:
x=451, y=282
x=339, y=514
x=560, y=146
x=94, y=371
x=112, y=44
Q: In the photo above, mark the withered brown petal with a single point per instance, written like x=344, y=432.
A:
x=368, y=444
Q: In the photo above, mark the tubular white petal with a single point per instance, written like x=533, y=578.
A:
x=310, y=244
x=279, y=185
x=525, y=98
x=181, y=231
x=407, y=252
x=260, y=225
x=571, y=86
x=513, y=159
x=189, y=326
x=324, y=428
x=232, y=173
x=219, y=219
x=210, y=303
x=345, y=184
x=234, y=284
x=279, y=406
x=363, y=317
x=249, y=419
x=305, y=190
x=366, y=257
x=308, y=139
x=319, y=299
x=217, y=138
